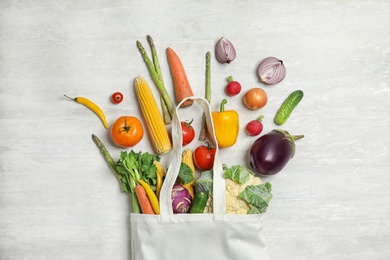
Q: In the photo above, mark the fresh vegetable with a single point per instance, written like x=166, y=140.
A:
x=92, y=106
x=179, y=77
x=188, y=160
x=155, y=73
x=125, y=171
x=133, y=166
x=270, y=153
x=225, y=51
x=203, y=130
x=255, y=98
x=185, y=175
x=254, y=127
x=151, y=195
x=233, y=87
x=143, y=200
x=258, y=197
x=245, y=193
x=181, y=199
x=205, y=184
x=226, y=125
x=108, y=158
x=155, y=124
x=238, y=173
x=204, y=157
x=126, y=131
x=199, y=203
x=271, y=71
x=160, y=174
x=188, y=132
x=288, y=106
x=117, y=97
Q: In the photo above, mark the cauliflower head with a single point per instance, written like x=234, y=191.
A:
x=235, y=205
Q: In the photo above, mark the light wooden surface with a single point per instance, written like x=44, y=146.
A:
x=58, y=199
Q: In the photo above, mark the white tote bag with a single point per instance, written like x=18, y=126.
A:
x=204, y=236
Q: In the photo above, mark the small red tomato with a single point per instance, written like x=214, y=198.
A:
x=204, y=157
x=254, y=127
x=117, y=97
x=188, y=132
x=233, y=87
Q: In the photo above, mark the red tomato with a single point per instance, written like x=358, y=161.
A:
x=204, y=157
x=117, y=97
x=188, y=132
x=126, y=131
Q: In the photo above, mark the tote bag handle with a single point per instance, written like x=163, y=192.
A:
x=219, y=199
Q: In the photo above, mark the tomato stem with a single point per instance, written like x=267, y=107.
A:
x=125, y=128
x=188, y=124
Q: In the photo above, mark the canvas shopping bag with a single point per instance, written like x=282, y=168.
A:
x=214, y=236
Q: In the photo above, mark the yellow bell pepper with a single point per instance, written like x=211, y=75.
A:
x=226, y=125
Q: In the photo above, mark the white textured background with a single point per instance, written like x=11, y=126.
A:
x=58, y=199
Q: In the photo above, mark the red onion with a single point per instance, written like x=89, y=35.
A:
x=271, y=71
x=181, y=199
x=224, y=51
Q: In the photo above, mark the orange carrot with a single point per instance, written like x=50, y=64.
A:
x=144, y=202
x=179, y=77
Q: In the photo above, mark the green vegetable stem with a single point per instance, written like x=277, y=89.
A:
x=130, y=167
x=155, y=72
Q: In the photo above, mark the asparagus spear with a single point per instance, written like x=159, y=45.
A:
x=155, y=72
x=106, y=155
x=203, y=131
x=166, y=114
x=126, y=182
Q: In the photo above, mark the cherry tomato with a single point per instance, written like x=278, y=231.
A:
x=204, y=157
x=188, y=132
x=126, y=131
x=117, y=97
x=255, y=98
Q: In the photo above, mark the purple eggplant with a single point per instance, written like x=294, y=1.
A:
x=270, y=153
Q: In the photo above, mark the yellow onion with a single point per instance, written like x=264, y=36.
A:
x=271, y=71
x=224, y=51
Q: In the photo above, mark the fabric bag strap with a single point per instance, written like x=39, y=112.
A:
x=219, y=199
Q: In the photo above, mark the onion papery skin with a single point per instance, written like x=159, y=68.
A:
x=225, y=51
x=271, y=71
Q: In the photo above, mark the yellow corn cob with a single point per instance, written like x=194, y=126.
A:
x=187, y=159
x=160, y=168
x=158, y=134
x=159, y=178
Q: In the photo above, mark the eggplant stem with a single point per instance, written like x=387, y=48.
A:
x=296, y=137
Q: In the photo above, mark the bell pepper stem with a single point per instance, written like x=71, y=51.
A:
x=222, y=106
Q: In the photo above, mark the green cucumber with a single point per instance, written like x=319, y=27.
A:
x=288, y=106
x=199, y=202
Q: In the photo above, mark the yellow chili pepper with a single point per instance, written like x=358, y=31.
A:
x=95, y=108
x=151, y=195
x=226, y=125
